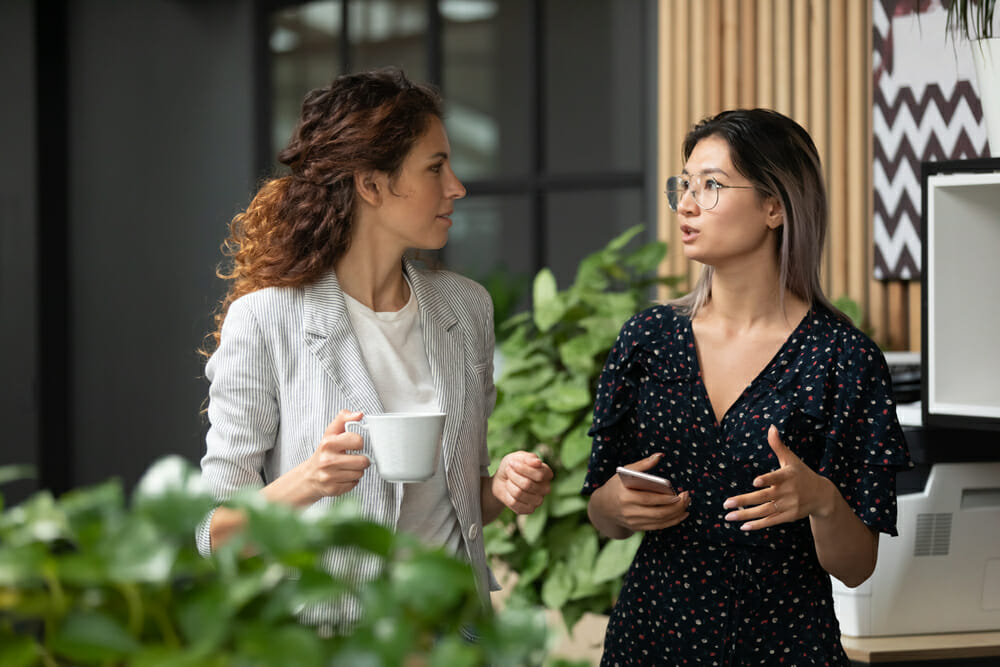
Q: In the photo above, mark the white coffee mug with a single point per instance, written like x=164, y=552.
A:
x=406, y=445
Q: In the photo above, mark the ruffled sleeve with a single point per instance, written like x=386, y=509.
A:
x=865, y=446
x=637, y=354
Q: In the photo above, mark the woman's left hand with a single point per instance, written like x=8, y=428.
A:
x=792, y=492
x=521, y=482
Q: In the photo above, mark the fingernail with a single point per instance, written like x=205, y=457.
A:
x=731, y=516
x=657, y=455
x=729, y=504
x=757, y=482
x=745, y=527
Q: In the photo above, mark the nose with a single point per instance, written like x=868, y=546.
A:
x=687, y=204
x=454, y=187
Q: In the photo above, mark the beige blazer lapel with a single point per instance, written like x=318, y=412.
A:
x=331, y=339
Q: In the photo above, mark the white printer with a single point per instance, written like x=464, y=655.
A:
x=942, y=573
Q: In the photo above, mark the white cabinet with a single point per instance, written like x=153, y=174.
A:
x=961, y=294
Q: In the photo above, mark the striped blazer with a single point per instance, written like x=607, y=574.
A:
x=288, y=361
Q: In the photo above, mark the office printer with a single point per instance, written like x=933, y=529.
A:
x=942, y=573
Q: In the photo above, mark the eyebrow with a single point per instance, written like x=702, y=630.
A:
x=440, y=155
x=710, y=170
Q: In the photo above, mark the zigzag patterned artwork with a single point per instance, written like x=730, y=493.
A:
x=926, y=107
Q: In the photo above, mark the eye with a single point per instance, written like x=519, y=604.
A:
x=683, y=183
x=436, y=168
x=712, y=184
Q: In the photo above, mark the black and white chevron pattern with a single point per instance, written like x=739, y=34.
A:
x=935, y=115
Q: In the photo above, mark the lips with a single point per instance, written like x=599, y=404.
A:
x=688, y=233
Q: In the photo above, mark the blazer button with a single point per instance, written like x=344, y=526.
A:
x=473, y=531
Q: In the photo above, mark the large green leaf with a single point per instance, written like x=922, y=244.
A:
x=21, y=564
x=647, y=258
x=567, y=505
x=569, y=395
x=569, y=483
x=93, y=636
x=497, y=541
x=615, y=558
x=577, y=354
x=139, y=553
x=576, y=448
x=557, y=586
x=454, y=652
x=527, y=381
x=548, y=425
x=532, y=525
x=428, y=582
x=14, y=472
x=289, y=645
x=17, y=651
x=548, y=307
x=590, y=275
x=538, y=560
x=623, y=239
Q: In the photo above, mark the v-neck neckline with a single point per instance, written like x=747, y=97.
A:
x=766, y=371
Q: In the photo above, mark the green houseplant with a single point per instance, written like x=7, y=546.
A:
x=975, y=20
x=552, y=357
x=972, y=18
x=87, y=579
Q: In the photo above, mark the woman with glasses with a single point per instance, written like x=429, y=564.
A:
x=768, y=411
x=327, y=319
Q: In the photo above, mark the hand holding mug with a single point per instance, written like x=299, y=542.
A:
x=332, y=470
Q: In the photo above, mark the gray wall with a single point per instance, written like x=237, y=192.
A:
x=160, y=156
x=18, y=294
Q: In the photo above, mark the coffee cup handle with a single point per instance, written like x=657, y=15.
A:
x=361, y=427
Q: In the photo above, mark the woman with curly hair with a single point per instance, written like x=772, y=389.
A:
x=326, y=320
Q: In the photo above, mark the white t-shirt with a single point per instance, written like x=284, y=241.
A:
x=393, y=349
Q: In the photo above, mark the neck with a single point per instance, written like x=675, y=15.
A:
x=374, y=279
x=748, y=299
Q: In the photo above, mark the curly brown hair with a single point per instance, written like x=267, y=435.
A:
x=298, y=226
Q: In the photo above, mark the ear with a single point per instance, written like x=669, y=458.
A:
x=367, y=186
x=775, y=213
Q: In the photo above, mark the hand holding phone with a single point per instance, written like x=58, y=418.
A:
x=643, y=481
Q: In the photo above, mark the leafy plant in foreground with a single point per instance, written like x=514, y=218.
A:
x=87, y=580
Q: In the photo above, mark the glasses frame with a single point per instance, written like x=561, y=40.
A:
x=681, y=192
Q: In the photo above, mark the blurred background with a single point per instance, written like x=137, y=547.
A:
x=132, y=132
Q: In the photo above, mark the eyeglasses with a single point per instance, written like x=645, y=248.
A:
x=704, y=190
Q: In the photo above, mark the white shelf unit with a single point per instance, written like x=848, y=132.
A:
x=962, y=284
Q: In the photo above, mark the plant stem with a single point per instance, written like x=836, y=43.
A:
x=133, y=600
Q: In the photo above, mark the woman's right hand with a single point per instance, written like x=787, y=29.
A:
x=618, y=511
x=331, y=470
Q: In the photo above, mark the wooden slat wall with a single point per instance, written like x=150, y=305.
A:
x=811, y=60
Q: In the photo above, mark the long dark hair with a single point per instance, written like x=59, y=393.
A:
x=779, y=158
x=298, y=226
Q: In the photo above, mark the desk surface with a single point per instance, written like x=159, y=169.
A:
x=922, y=647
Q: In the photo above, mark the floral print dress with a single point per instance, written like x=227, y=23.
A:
x=704, y=592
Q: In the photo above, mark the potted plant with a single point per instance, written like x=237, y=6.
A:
x=975, y=19
x=552, y=358
x=86, y=579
